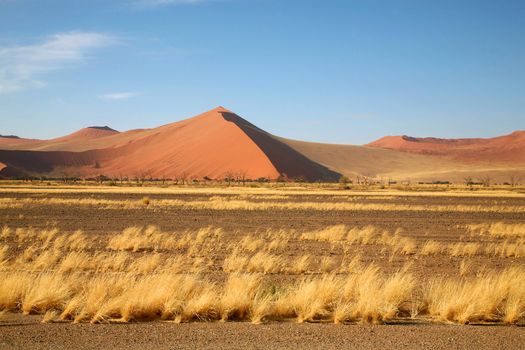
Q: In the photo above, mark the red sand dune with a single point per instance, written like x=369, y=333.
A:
x=214, y=144
x=503, y=149
x=219, y=143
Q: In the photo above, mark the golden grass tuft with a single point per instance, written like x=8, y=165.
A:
x=493, y=296
x=300, y=265
x=265, y=263
x=5, y=232
x=431, y=248
x=309, y=299
x=331, y=234
x=328, y=264
x=498, y=229
x=239, y=293
x=139, y=238
x=464, y=249
x=48, y=291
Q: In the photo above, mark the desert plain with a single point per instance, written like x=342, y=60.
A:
x=261, y=265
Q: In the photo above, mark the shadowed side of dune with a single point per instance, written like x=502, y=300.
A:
x=284, y=158
x=18, y=163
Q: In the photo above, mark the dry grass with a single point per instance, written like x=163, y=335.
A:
x=266, y=190
x=148, y=274
x=138, y=238
x=264, y=263
x=491, y=297
x=464, y=267
x=300, y=265
x=223, y=203
x=328, y=264
x=498, y=229
x=431, y=248
x=464, y=249
x=5, y=232
x=332, y=234
x=369, y=296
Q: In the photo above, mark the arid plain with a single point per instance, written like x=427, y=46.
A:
x=299, y=265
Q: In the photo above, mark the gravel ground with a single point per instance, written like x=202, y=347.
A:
x=23, y=332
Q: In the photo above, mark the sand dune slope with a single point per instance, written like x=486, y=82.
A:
x=215, y=144
x=401, y=166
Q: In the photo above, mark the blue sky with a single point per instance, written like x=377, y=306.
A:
x=330, y=71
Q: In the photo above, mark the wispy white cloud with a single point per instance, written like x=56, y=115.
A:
x=22, y=67
x=119, y=95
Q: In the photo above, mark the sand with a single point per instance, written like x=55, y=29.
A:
x=219, y=144
x=503, y=149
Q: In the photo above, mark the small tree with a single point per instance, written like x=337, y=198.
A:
x=229, y=176
x=184, y=177
x=242, y=176
x=485, y=180
x=514, y=180
x=344, y=181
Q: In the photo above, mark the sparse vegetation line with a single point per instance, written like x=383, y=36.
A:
x=218, y=203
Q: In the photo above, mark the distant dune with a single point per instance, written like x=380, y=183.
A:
x=219, y=143
x=503, y=149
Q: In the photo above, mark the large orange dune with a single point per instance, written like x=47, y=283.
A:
x=215, y=144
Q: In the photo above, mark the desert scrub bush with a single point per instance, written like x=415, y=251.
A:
x=353, y=266
x=49, y=290
x=5, y=232
x=78, y=241
x=265, y=263
x=363, y=235
x=235, y=262
x=371, y=297
x=299, y=265
x=498, y=229
x=14, y=285
x=397, y=243
x=464, y=267
x=278, y=241
x=139, y=238
x=46, y=236
x=464, y=249
x=76, y=261
x=145, y=264
x=251, y=244
x=309, y=299
x=332, y=234
x=431, y=248
x=24, y=234
x=46, y=260
x=238, y=295
x=493, y=296
x=327, y=264
x=507, y=249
